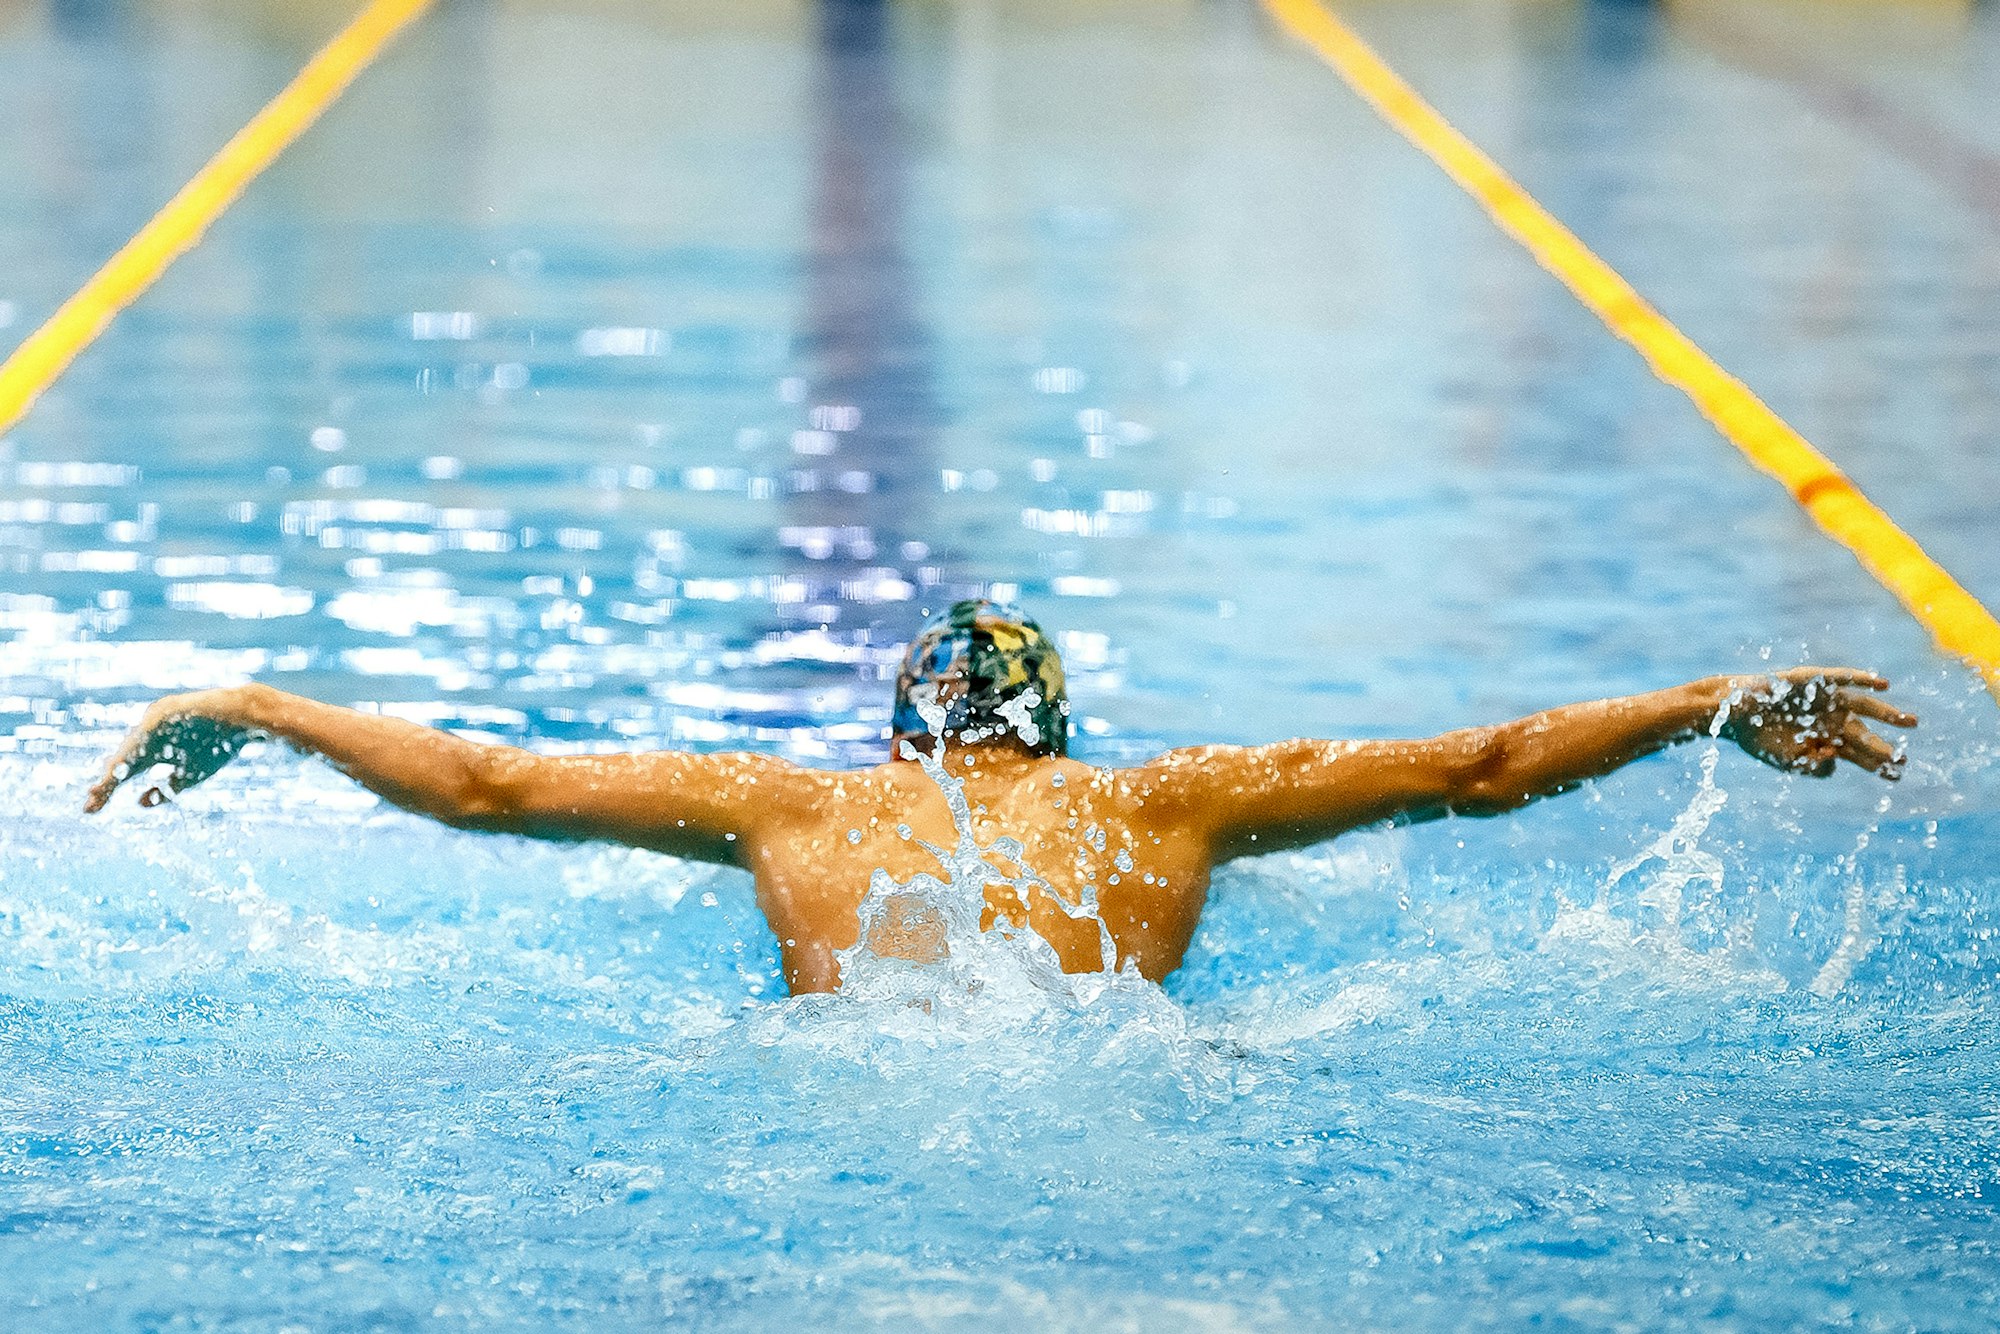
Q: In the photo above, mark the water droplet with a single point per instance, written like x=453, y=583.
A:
x=854, y=836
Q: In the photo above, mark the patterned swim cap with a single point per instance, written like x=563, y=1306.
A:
x=994, y=671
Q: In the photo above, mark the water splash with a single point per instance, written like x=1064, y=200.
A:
x=1684, y=864
x=1683, y=894
x=1858, y=932
x=925, y=941
x=949, y=1013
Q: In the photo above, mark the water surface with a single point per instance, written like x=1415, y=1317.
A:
x=616, y=379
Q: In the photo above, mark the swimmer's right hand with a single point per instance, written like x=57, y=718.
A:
x=194, y=734
x=1805, y=719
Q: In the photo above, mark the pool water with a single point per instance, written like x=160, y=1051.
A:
x=624, y=377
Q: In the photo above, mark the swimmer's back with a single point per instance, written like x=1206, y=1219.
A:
x=1079, y=828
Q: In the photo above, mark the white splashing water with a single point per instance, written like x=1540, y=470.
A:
x=1684, y=864
x=1683, y=888
x=1858, y=935
x=941, y=914
x=1020, y=715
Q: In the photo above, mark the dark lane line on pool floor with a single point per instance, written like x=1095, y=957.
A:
x=1957, y=621
x=1966, y=170
x=858, y=498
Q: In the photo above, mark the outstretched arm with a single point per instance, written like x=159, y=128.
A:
x=702, y=806
x=1264, y=798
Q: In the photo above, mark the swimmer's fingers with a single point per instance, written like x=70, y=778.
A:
x=132, y=756
x=100, y=791
x=1835, y=676
x=1862, y=747
x=1881, y=710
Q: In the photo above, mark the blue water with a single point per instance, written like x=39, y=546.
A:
x=634, y=377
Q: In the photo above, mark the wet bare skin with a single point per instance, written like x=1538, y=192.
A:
x=1150, y=873
x=1146, y=837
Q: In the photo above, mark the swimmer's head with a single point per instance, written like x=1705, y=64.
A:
x=998, y=678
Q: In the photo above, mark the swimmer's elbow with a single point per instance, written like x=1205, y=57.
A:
x=1484, y=778
x=490, y=791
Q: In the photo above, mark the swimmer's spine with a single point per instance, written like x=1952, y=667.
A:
x=175, y=229
x=1959, y=623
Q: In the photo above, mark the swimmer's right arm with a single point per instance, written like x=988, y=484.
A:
x=1293, y=793
x=702, y=806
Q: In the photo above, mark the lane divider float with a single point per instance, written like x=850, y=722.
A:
x=1956, y=620
x=174, y=230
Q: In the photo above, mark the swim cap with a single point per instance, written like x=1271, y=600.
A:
x=994, y=671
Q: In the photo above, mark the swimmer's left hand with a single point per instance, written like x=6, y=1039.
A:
x=1808, y=719
x=191, y=733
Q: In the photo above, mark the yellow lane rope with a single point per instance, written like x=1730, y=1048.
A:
x=1953, y=616
x=175, y=229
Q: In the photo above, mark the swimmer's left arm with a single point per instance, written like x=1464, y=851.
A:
x=1293, y=793
x=702, y=806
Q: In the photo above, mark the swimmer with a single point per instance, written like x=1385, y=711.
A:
x=1146, y=838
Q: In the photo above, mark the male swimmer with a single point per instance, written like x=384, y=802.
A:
x=1145, y=838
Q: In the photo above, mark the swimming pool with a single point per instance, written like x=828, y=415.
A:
x=592, y=378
